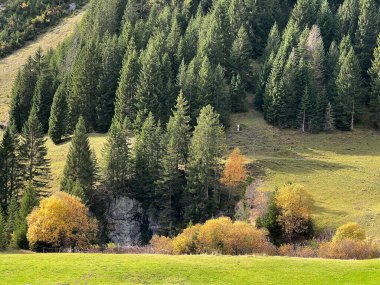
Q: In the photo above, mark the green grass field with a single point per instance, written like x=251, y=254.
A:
x=158, y=269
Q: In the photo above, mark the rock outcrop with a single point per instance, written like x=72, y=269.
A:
x=124, y=218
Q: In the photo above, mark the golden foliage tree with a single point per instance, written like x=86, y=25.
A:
x=234, y=171
x=351, y=231
x=61, y=220
x=295, y=204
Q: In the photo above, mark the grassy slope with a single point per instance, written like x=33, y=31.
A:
x=10, y=64
x=341, y=169
x=156, y=269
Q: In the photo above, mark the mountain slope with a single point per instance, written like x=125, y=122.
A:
x=10, y=64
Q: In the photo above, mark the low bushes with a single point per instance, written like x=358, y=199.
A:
x=348, y=249
x=216, y=236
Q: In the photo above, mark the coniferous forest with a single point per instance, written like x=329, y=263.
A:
x=162, y=78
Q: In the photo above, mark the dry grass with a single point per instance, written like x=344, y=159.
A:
x=10, y=64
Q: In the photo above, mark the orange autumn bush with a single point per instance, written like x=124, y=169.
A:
x=162, y=244
x=61, y=220
x=348, y=249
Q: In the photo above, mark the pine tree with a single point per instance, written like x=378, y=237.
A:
x=10, y=169
x=374, y=73
x=3, y=232
x=366, y=34
x=172, y=181
x=117, y=170
x=11, y=217
x=203, y=169
x=349, y=91
x=125, y=105
x=33, y=152
x=22, y=94
x=240, y=55
x=27, y=203
x=347, y=17
x=80, y=165
x=108, y=81
x=326, y=22
x=83, y=92
x=147, y=153
x=59, y=113
x=329, y=118
x=43, y=97
x=238, y=94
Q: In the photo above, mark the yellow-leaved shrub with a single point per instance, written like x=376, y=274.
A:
x=349, y=231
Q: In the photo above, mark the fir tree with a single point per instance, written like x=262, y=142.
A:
x=125, y=105
x=27, y=203
x=83, y=92
x=3, y=232
x=172, y=180
x=240, y=55
x=374, y=73
x=117, y=170
x=329, y=118
x=80, y=164
x=33, y=152
x=10, y=169
x=349, y=92
x=367, y=32
x=203, y=169
x=59, y=113
x=147, y=153
x=108, y=81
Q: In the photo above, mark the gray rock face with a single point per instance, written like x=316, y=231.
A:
x=124, y=218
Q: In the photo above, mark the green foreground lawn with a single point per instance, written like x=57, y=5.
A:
x=159, y=269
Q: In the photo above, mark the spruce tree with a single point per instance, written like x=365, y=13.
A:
x=117, y=171
x=3, y=232
x=240, y=56
x=83, y=92
x=125, y=105
x=326, y=22
x=80, y=164
x=201, y=196
x=349, y=91
x=366, y=34
x=59, y=113
x=33, y=152
x=11, y=217
x=374, y=73
x=347, y=17
x=10, y=169
x=238, y=94
x=329, y=118
x=27, y=203
x=172, y=180
x=147, y=154
x=108, y=81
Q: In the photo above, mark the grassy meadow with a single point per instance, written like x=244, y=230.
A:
x=9, y=65
x=160, y=269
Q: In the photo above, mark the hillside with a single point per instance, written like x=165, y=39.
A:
x=9, y=65
x=340, y=169
x=161, y=269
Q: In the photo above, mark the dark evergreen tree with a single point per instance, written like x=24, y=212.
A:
x=83, y=91
x=125, y=105
x=27, y=203
x=147, y=151
x=11, y=217
x=10, y=169
x=347, y=17
x=58, y=121
x=117, y=171
x=202, y=170
x=349, y=91
x=238, y=94
x=80, y=164
x=3, y=232
x=108, y=81
x=326, y=22
x=374, y=73
x=33, y=152
x=171, y=179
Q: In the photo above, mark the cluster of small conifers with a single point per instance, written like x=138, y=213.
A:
x=223, y=236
